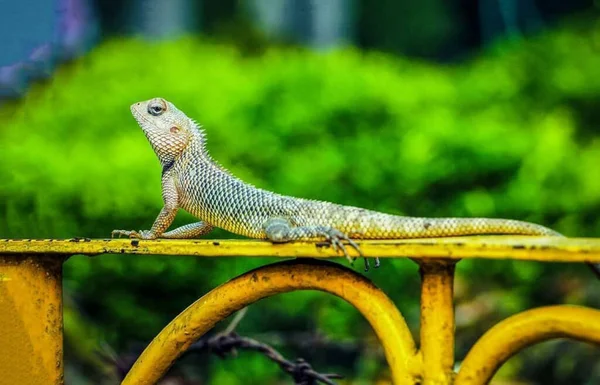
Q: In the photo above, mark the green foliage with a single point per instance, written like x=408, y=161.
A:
x=512, y=134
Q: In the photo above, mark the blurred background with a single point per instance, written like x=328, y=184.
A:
x=431, y=108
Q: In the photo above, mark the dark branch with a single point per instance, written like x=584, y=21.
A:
x=226, y=344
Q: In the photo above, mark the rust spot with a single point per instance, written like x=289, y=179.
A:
x=122, y=251
x=426, y=225
x=135, y=243
x=518, y=247
x=215, y=243
x=254, y=278
x=322, y=244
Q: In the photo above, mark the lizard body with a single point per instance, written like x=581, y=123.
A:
x=193, y=181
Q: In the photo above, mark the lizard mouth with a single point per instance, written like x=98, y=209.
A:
x=143, y=122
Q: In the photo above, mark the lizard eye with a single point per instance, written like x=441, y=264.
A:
x=155, y=109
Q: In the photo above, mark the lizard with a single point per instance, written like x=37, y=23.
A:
x=192, y=180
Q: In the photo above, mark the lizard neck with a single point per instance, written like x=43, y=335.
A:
x=195, y=155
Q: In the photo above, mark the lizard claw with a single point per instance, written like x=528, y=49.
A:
x=335, y=238
x=337, y=244
x=333, y=242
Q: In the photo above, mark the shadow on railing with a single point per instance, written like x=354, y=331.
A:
x=31, y=302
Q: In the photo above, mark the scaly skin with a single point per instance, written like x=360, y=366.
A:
x=193, y=181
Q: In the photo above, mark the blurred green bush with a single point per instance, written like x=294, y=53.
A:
x=511, y=134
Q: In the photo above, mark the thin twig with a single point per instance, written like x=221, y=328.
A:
x=225, y=344
x=300, y=370
x=236, y=321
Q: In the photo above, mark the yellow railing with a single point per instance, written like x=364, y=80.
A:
x=31, y=302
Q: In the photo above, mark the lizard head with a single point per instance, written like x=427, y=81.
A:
x=168, y=130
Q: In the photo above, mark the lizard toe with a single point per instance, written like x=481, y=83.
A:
x=341, y=236
x=335, y=238
x=145, y=234
x=120, y=233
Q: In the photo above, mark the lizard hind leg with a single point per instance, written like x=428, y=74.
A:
x=280, y=230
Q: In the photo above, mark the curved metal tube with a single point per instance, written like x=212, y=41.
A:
x=524, y=329
x=202, y=315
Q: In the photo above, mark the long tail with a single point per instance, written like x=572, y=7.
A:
x=410, y=227
x=390, y=226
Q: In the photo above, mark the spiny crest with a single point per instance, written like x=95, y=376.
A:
x=201, y=133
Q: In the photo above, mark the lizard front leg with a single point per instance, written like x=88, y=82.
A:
x=162, y=222
x=165, y=217
x=193, y=230
x=279, y=230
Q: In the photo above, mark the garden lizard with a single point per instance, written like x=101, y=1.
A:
x=193, y=181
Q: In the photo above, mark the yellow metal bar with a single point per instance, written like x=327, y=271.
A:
x=556, y=249
x=200, y=317
x=437, y=322
x=31, y=339
x=519, y=331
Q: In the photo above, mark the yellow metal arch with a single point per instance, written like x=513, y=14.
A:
x=522, y=330
x=201, y=316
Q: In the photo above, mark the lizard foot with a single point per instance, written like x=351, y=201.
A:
x=280, y=230
x=142, y=234
x=335, y=238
